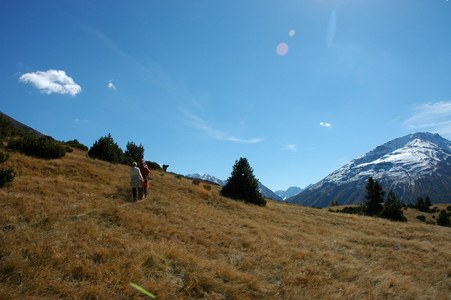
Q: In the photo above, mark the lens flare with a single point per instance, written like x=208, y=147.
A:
x=292, y=32
x=282, y=49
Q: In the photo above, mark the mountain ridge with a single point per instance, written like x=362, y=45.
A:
x=288, y=193
x=19, y=125
x=414, y=165
x=265, y=191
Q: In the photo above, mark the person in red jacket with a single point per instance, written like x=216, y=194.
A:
x=146, y=176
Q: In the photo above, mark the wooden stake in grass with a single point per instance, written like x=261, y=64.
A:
x=142, y=290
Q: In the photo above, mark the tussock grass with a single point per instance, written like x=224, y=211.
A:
x=69, y=230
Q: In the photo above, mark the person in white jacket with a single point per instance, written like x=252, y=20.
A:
x=136, y=180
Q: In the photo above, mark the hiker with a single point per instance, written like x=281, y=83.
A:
x=146, y=176
x=136, y=180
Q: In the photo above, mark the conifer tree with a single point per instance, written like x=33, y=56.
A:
x=427, y=203
x=374, y=197
x=242, y=185
x=443, y=219
x=423, y=204
x=106, y=149
x=133, y=152
x=392, y=208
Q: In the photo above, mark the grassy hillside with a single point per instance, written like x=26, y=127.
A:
x=68, y=230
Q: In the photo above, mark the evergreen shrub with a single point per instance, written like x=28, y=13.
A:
x=42, y=147
x=76, y=144
x=358, y=210
x=6, y=175
x=153, y=165
x=106, y=149
x=133, y=153
x=421, y=218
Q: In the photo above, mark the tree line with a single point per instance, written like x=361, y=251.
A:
x=390, y=207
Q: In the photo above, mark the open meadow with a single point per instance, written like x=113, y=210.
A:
x=69, y=230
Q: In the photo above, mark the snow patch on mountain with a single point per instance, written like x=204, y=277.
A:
x=206, y=177
x=401, y=162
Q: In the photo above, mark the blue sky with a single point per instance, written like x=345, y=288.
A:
x=299, y=88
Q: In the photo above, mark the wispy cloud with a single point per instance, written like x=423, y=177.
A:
x=434, y=117
x=77, y=120
x=331, y=27
x=325, y=124
x=290, y=147
x=216, y=134
x=52, y=81
x=110, y=85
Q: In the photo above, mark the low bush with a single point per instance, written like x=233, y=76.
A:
x=421, y=218
x=6, y=175
x=358, y=210
x=153, y=165
x=42, y=147
x=76, y=144
x=434, y=210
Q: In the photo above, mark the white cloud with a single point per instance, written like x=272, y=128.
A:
x=110, y=85
x=434, y=117
x=222, y=136
x=325, y=124
x=52, y=81
x=290, y=147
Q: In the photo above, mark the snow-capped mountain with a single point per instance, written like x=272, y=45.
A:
x=414, y=165
x=266, y=192
x=206, y=177
x=290, y=192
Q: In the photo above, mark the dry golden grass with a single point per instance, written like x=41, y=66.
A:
x=68, y=230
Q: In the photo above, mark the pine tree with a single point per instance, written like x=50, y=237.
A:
x=427, y=203
x=423, y=204
x=443, y=219
x=106, y=149
x=133, y=152
x=334, y=202
x=242, y=185
x=374, y=197
x=392, y=208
